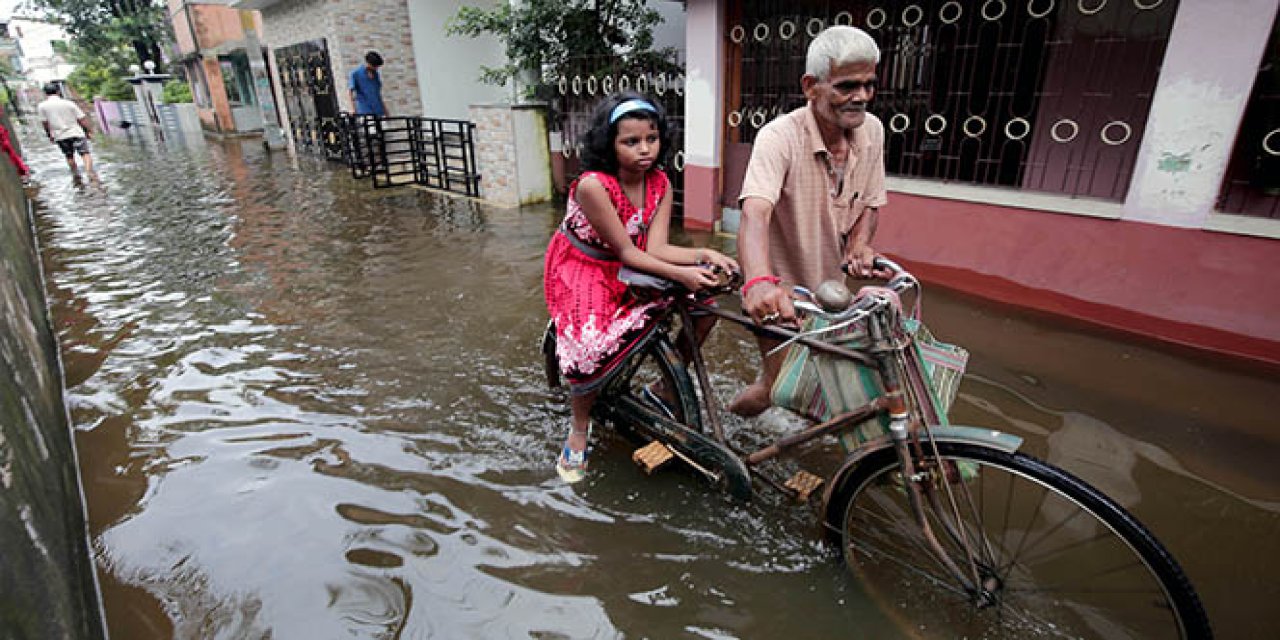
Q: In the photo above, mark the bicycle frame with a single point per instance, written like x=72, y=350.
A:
x=915, y=423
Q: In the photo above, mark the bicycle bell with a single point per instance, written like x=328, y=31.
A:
x=833, y=296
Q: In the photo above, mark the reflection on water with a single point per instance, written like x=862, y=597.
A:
x=311, y=409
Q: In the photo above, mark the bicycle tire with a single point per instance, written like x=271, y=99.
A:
x=1051, y=572
x=656, y=360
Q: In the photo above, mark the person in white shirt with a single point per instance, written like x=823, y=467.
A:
x=67, y=126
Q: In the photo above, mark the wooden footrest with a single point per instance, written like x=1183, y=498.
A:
x=804, y=484
x=652, y=456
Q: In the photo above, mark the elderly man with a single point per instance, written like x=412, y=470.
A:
x=812, y=192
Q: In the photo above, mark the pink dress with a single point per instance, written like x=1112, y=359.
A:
x=597, y=321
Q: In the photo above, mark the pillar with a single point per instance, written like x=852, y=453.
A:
x=1196, y=110
x=704, y=111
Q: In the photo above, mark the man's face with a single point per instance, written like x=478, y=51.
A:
x=841, y=100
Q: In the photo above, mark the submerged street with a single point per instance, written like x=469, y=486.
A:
x=306, y=408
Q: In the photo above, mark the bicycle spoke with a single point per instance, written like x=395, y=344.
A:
x=1054, y=560
x=941, y=582
x=1035, y=560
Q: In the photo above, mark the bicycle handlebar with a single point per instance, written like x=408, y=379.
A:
x=900, y=282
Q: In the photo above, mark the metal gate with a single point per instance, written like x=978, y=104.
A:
x=306, y=80
x=589, y=79
x=1039, y=95
x=393, y=151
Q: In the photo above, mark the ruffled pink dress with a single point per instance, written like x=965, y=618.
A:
x=597, y=321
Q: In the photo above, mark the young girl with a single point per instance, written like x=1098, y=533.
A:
x=619, y=213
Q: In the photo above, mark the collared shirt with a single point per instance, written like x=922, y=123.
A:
x=368, y=91
x=63, y=117
x=813, y=207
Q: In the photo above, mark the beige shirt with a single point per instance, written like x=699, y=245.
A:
x=812, y=213
x=62, y=116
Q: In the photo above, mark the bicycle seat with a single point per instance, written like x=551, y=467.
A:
x=726, y=281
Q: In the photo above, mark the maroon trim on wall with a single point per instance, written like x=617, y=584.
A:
x=1207, y=290
x=701, y=207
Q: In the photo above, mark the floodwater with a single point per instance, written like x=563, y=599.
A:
x=309, y=409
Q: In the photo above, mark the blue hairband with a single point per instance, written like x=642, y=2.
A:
x=629, y=106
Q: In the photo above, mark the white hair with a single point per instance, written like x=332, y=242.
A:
x=837, y=46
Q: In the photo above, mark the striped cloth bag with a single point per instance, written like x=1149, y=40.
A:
x=821, y=386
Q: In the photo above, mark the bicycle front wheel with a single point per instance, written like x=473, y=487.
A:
x=1042, y=553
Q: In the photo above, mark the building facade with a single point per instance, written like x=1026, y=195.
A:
x=219, y=50
x=1110, y=160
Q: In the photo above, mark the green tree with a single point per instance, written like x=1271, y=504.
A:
x=543, y=36
x=177, y=90
x=102, y=74
x=101, y=26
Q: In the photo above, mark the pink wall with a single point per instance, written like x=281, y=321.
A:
x=1197, y=288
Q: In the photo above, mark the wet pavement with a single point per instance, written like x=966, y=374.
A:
x=309, y=409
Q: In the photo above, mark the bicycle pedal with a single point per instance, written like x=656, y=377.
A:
x=652, y=456
x=804, y=484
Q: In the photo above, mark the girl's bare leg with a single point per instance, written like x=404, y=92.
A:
x=581, y=405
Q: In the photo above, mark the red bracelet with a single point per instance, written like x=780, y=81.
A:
x=757, y=280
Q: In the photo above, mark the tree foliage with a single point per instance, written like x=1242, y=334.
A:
x=176, y=91
x=102, y=74
x=545, y=36
x=101, y=26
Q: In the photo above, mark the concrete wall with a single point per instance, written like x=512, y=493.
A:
x=48, y=588
x=449, y=66
x=512, y=153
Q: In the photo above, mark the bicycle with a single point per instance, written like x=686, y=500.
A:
x=951, y=523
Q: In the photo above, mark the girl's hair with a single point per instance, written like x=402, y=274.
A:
x=597, y=142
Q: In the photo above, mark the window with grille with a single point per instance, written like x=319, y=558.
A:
x=1252, y=185
x=1042, y=95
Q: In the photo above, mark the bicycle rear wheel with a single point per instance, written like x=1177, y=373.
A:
x=625, y=404
x=657, y=367
x=1052, y=556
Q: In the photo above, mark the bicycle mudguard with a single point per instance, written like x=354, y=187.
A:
x=1000, y=440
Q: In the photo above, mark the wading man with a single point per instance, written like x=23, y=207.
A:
x=812, y=191
x=66, y=126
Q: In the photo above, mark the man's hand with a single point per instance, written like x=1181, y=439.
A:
x=859, y=261
x=768, y=303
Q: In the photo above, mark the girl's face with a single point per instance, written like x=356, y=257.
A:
x=637, y=145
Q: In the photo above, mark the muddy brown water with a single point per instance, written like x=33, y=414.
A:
x=309, y=409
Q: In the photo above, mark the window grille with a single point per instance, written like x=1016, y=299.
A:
x=589, y=79
x=1043, y=95
x=1252, y=185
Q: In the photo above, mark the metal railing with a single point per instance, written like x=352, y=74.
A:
x=394, y=151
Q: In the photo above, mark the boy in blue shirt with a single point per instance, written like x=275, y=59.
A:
x=365, y=86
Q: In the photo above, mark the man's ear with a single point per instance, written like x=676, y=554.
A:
x=807, y=84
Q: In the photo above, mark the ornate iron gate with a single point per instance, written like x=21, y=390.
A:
x=590, y=79
x=1043, y=95
x=306, y=80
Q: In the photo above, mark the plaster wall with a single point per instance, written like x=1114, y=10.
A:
x=449, y=66
x=48, y=588
x=704, y=111
x=1205, y=83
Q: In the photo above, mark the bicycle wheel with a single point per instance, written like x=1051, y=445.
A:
x=625, y=405
x=1053, y=556
x=656, y=367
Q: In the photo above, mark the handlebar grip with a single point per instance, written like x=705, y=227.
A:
x=880, y=262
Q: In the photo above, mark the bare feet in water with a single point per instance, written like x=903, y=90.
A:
x=752, y=401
